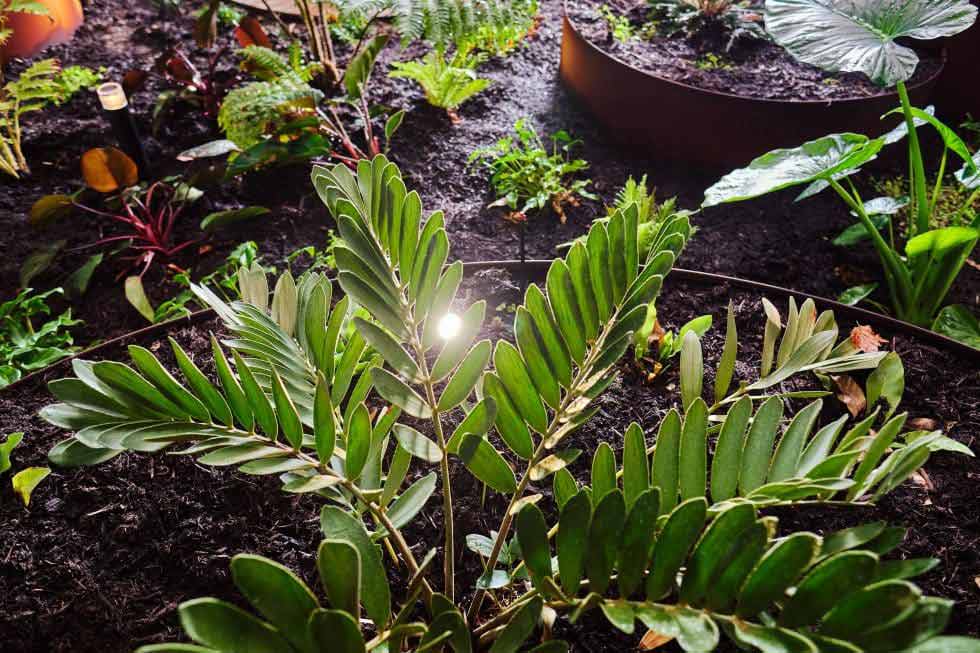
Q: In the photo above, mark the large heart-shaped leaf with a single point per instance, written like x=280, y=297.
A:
x=859, y=35
x=959, y=323
x=823, y=158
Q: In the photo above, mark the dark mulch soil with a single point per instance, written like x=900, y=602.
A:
x=749, y=67
x=104, y=554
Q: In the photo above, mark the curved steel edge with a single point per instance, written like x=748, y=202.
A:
x=674, y=120
x=537, y=268
x=125, y=338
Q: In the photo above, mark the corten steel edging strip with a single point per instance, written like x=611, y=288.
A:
x=537, y=269
x=669, y=119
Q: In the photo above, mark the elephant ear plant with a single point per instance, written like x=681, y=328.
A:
x=294, y=402
x=862, y=36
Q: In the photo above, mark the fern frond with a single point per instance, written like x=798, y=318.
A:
x=446, y=83
x=445, y=22
x=251, y=111
x=36, y=86
x=268, y=65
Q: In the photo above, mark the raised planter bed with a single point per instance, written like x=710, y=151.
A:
x=105, y=553
x=710, y=128
x=957, y=92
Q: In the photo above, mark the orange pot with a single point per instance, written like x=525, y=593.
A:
x=32, y=33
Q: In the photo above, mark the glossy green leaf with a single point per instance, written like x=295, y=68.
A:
x=467, y=374
x=822, y=158
x=861, y=36
x=638, y=541
x=664, y=474
x=603, y=472
x=339, y=565
x=513, y=374
x=636, y=464
x=825, y=585
x=375, y=595
x=713, y=551
x=276, y=593
x=693, y=451
x=572, y=538
x=511, y=426
x=486, y=463
x=335, y=630
x=532, y=533
x=676, y=539
x=358, y=442
x=726, y=463
x=397, y=392
x=758, y=448
x=222, y=626
x=605, y=539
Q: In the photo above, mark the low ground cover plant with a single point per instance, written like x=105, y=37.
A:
x=527, y=177
x=31, y=338
x=713, y=24
x=447, y=82
x=919, y=272
x=42, y=84
x=657, y=541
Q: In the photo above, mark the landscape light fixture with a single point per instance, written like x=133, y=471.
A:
x=449, y=326
x=112, y=97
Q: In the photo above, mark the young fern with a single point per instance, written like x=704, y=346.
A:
x=447, y=83
x=34, y=89
x=446, y=22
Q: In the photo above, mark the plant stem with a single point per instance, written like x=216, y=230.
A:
x=449, y=555
x=898, y=284
x=376, y=510
x=917, y=166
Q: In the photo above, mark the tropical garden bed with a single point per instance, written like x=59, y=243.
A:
x=103, y=554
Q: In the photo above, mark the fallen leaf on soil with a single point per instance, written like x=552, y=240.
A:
x=921, y=478
x=850, y=394
x=923, y=424
x=865, y=339
x=250, y=32
x=653, y=640
x=106, y=169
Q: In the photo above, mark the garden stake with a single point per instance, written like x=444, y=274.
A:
x=112, y=97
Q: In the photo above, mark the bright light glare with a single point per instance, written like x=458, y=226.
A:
x=449, y=326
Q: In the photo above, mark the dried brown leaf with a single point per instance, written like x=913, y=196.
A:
x=653, y=640
x=865, y=339
x=107, y=169
x=851, y=394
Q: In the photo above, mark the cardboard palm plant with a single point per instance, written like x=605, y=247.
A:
x=295, y=401
x=863, y=36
